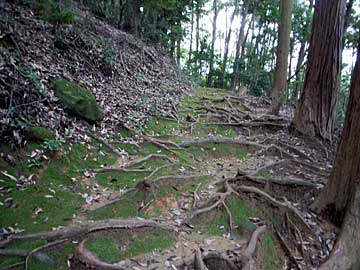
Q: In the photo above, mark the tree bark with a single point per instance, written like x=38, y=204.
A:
x=227, y=42
x=211, y=60
x=282, y=52
x=341, y=196
x=239, y=44
x=132, y=17
x=315, y=114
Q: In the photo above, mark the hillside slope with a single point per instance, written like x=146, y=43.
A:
x=130, y=79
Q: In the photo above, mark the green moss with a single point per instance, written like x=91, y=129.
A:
x=78, y=99
x=240, y=213
x=210, y=92
x=117, y=180
x=30, y=245
x=126, y=208
x=162, y=126
x=218, y=150
x=201, y=130
x=59, y=255
x=55, y=181
x=107, y=250
x=41, y=134
x=269, y=254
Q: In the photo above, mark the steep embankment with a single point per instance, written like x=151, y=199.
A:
x=129, y=79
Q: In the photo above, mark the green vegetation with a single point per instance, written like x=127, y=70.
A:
x=218, y=150
x=78, y=99
x=219, y=224
x=135, y=244
x=56, y=12
x=41, y=134
x=268, y=254
x=162, y=127
x=55, y=197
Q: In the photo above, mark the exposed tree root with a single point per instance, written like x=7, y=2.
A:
x=286, y=205
x=224, y=140
x=34, y=251
x=40, y=256
x=76, y=231
x=284, y=181
x=104, y=142
x=86, y=256
x=248, y=261
x=132, y=163
x=287, y=249
x=198, y=261
x=245, y=124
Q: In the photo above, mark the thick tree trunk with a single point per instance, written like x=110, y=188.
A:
x=132, y=17
x=341, y=196
x=211, y=60
x=227, y=42
x=239, y=44
x=315, y=114
x=282, y=52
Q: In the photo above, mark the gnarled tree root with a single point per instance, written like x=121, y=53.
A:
x=76, y=231
x=86, y=256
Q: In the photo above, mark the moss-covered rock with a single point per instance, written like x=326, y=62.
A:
x=40, y=134
x=78, y=100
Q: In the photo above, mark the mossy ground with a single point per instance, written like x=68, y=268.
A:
x=268, y=256
x=58, y=188
x=219, y=224
x=132, y=245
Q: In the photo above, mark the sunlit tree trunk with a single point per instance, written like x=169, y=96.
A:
x=211, y=60
x=315, y=114
x=341, y=196
x=282, y=52
x=239, y=44
x=227, y=42
x=191, y=33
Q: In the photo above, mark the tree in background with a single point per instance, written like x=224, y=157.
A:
x=282, y=52
x=132, y=17
x=216, y=9
x=315, y=114
x=341, y=196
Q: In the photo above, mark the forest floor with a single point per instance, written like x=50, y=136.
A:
x=223, y=185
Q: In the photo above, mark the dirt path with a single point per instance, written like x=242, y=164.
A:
x=215, y=176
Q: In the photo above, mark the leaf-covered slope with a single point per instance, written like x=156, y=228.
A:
x=129, y=79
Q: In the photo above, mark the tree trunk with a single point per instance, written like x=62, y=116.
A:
x=191, y=33
x=227, y=42
x=211, y=60
x=315, y=114
x=198, y=14
x=341, y=196
x=301, y=56
x=239, y=44
x=282, y=52
x=132, y=17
